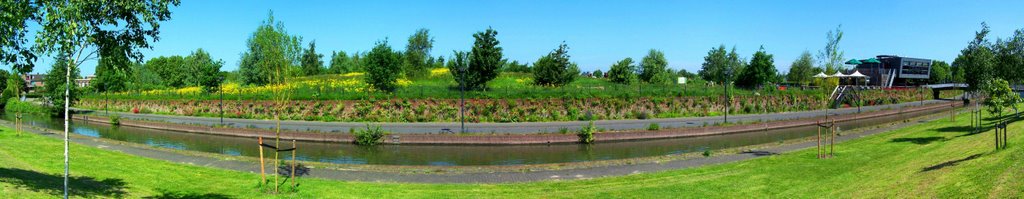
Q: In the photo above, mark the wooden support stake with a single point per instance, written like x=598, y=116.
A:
x=832, y=144
x=263, y=172
x=819, y=139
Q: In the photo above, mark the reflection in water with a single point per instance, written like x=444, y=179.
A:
x=447, y=154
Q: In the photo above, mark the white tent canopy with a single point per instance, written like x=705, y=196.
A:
x=821, y=75
x=838, y=74
x=856, y=74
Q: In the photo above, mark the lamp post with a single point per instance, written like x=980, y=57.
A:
x=221, y=91
x=462, y=98
x=728, y=100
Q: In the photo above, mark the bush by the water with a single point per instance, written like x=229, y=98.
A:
x=14, y=106
x=372, y=135
x=586, y=133
x=115, y=120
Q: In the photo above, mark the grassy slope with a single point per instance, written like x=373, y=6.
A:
x=885, y=165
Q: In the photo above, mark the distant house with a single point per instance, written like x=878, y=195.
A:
x=33, y=81
x=84, y=82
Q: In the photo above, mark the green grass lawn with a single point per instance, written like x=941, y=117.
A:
x=935, y=159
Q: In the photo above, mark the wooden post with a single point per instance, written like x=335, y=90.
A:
x=832, y=144
x=818, y=124
x=263, y=172
x=293, y=164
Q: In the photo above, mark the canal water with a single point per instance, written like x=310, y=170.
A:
x=345, y=153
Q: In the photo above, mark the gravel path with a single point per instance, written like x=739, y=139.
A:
x=497, y=177
x=514, y=128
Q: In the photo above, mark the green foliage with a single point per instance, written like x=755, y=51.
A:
x=203, y=71
x=340, y=63
x=458, y=68
x=417, y=54
x=13, y=87
x=707, y=153
x=13, y=105
x=115, y=120
x=940, y=72
x=831, y=56
x=144, y=77
x=383, y=66
x=801, y=71
x=977, y=60
x=760, y=71
x=55, y=84
x=1000, y=95
x=586, y=133
x=372, y=135
x=1010, y=57
x=598, y=74
x=271, y=54
x=653, y=67
x=311, y=61
x=113, y=71
x=172, y=70
x=516, y=67
x=555, y=69
x=484, y=59
x=721, y=66
x=623, y=72
x=653, y=127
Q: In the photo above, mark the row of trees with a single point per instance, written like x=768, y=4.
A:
x=982, y=61
x=653, y=68
x=115, y=73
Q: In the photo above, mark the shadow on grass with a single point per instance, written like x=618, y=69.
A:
x=920, y=140
x=759, y=153
x=165, y=194
x=950, y=163
x=83, y=186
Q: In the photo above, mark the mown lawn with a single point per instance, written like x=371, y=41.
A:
x=938, y=159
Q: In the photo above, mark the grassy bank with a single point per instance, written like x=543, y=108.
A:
x=934, y=159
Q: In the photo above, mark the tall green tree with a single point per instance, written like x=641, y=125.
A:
x=383, y=66
x=1010, y=57
x=760, y=71
x=623, y=71
x=417, y=54
x=555, y=69
x=55, y=83
x=203, y=71
x=485, y=59
x=170, y=69
x=721, y=66
x=940, y=72
x=801, y=71
x=113, y=71
x=458, y=67
x=311, y=61
x=272, y=54
x=653, y=67
x=977, y=60
x=340, y=63
x=831, y=56
x=14, y=44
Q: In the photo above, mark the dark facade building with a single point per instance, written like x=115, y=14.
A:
x=896, y=71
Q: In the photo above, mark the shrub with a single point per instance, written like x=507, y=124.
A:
x=383, y=66
x=115, y=120
x=372, y=135
x=586, y=133
x=707, y=153
x=653, y=127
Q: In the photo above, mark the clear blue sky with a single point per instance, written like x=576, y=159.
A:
x=598, y=32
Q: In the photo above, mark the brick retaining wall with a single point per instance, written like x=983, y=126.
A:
x=501, y=139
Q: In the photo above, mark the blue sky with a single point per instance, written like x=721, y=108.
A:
x=597, y=32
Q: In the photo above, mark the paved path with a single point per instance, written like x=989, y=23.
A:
x=497, y=177
x=517, y=128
